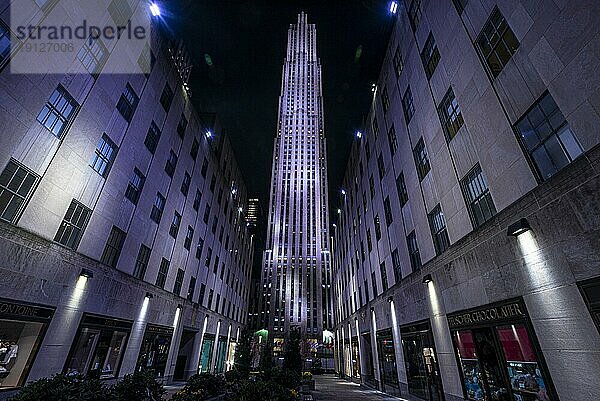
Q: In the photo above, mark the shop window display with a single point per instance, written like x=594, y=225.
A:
x=155, y=350
x=206, y=352
x=98, y=347
x=355, y=358
x=221, y=350
x=18, y=343
x=387, y=361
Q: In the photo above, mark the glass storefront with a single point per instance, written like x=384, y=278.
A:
x=221, y=350
x=154, y=351
x=497, y=357
x=22, y=328
x=355, y=358
x=98, y=346
x=369, y=374
x=387, y=362
x=231, y=355
x=347, y=360
x=420, y=359
x=208, y=343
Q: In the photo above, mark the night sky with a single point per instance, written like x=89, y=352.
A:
x=245, y=41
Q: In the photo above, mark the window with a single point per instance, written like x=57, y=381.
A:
x=93, y=55
x=437, y=224
x=213, y=182
x=206, y=214
x=191, y=288
x=371, y=186
x=178, y=281
x=114, y=246
x=430, y=56
x=194, y=149
x=152, y=137
x=548, y=137
x=166, y=98
x=375, y=127
x=73, y=225
x=199, y=248
x=414, y=14
x=377, y=228
x=201, y=295
x=17, y=184
x=128, y=102
x=141, y=262
x=392, y=140
x=397, y=60
x=204, y=167
x=197, y=200
x=374, y=283
x=407, y=105
x=135, y=186
x=105, y=154
x=401, y=188
x=208, y=257
x=5, y=43
x=389, y=217
x=396, y=265
x=58, y=112
x=185, y=184
x=163, y=270
x=496, y=42
x=413, y=251
x=381, y=166
x=175, y=223
x=421, y=159
x=120, y=12
x=478, y=197
x=187, y=244
x=183, y=123
x=383, y=272
x=385, y=100
x=171, y=164
x=460, y=5
x=450, y=115
x=157, y=208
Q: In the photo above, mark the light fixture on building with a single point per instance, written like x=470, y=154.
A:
x=209, y=134
x=86, y=273
x=240, y=209
x=390, y=299
x=394, y=7
x=149, y=295
x=427, y=279
x=358, y=134
x=373, y=88
x=372, y=309
x=155, y=10
x=343, y=191
x=339, y=211
x=179, y=306
x=517, y=228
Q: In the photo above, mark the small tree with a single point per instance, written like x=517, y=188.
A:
x=292, y=360
x=266, y=360
x=243, y=354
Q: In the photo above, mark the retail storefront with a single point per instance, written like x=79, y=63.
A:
x=590, y=290
x=22, y=329
x=208, y=342
x=347, y=359
x=369, y=374
x=498, y=356
x=387, y=362
x=355, y=358
x=98, y=346
x=420, y=359
x=154, y=351
x=221, y=351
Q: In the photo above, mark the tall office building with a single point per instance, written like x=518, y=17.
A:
x=296, y=269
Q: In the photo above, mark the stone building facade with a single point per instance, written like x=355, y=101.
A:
x=123, y=243
x=466, y=249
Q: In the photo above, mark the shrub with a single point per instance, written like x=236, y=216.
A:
x=63, y=387
x=307, y=376
x=248, y=390
x=201, y=387
x=286, y=378
x=138, y=386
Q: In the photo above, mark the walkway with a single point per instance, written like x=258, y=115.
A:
x=331, y=388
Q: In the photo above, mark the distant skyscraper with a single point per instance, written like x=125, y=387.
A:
x=296, y=275
x=254, y=213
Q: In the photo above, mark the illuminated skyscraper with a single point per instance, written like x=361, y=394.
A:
x=296, y=274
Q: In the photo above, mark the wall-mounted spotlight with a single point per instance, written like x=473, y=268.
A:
x=394, y=7
x=240, y=209
x=339, y=211
x=179, y=306
x=373, y=87
x=209, y=134
x=358, y=134
x=149, y=295
x=390, y=299
x=86, y=273
x=155, y=10
x=518, y=227
x=372, y=309
x=427, y=279
x=343, y=192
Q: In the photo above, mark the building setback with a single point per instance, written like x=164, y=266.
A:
x=296, y=272
x=466, y=249
x=122, y=234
